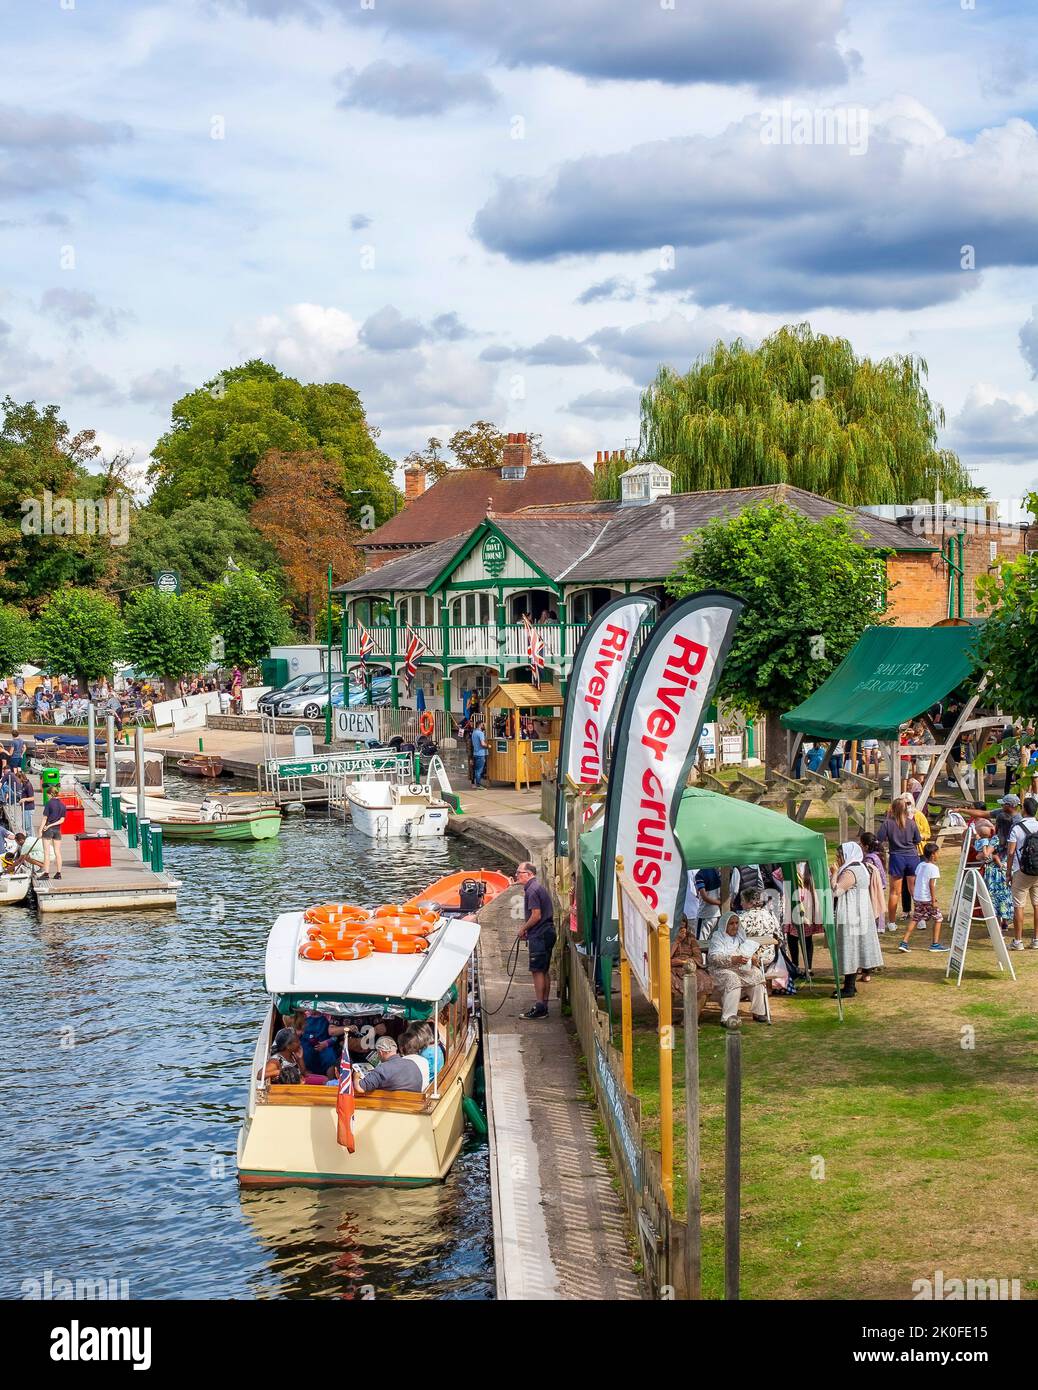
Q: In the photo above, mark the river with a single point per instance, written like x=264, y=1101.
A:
x=129, y=1045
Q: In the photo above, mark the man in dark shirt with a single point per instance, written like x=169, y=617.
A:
x=538, y=931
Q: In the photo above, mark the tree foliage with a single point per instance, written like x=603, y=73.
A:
x=804, y=409
x=39, y=454
x=15, y=639
x=249, y=615
x=79, y=633
x=302, y=514
x=480, y=445
x=810, y=588
x=167, y=635
x=1009, y=636
x=220, y=432
x=197, y=540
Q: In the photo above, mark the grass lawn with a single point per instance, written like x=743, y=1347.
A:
x=875, y=1151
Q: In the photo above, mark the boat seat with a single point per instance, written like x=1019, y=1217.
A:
x=401, y=1102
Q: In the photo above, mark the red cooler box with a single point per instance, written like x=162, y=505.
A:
x=75, y=817
x=95, y=851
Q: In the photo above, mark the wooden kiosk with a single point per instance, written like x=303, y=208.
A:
x=523, y=725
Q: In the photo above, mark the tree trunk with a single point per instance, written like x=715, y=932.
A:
x=311, y=621
x=774, y=743
x=169, y=685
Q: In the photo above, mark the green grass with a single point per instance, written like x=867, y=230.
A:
x=877, y=1150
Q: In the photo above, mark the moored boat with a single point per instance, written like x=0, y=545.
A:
x=201, y=765
x=394, y=810
x=211, y=819
x=14, y=888
x=446, y=893
x=400, y=1138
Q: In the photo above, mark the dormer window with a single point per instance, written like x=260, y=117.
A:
x=644, y=483
x=513, y=472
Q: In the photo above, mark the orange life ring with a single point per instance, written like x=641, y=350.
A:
x=402, y=926
x=406, y=914
x=426, y=722
x=335, y=912
x=356, y=949
x=400, y=946
x=315, y=950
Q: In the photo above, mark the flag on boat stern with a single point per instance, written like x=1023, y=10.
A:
x=534, y=651
x=344, y=1107
x=413, y=654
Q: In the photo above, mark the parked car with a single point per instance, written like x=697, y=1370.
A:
x=311, y=701
x=269, y=702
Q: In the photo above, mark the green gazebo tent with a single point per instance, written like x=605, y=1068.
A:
x=716, y=831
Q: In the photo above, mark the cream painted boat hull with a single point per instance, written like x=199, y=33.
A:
x=283, y=1145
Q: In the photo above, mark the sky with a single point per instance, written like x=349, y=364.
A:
x=482, y=209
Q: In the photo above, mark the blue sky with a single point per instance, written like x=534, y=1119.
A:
x=464, y=209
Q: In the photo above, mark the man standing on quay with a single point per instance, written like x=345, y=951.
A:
x=538, y=931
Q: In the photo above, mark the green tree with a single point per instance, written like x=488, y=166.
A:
x=250, y=617
x=221, y=431
x=1008, y=640
x=167, y=635
x=810, y=589
x=79, y=633
x=197, y=540
x=40, y=455
x=478, y=446
x=15, y=639
x=801, y=409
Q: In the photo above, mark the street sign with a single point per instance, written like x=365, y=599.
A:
x=168, y=581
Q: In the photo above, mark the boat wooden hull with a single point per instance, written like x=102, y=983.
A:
x=289, y=1136
x=200, y=767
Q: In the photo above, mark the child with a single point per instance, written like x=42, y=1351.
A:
x=924, y=898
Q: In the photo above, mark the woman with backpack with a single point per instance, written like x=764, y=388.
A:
x=1023, y=868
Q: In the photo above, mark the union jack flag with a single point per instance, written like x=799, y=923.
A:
x=344, y=1103
x=413, y=654
x=367, y=644
x=534, y=651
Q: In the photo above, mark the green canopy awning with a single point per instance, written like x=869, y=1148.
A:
x=890, y=676
x=716, y=831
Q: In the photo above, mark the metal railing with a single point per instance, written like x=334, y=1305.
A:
x=486, y=645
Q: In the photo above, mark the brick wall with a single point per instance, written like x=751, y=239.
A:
x=977, y=557
x=918, y=595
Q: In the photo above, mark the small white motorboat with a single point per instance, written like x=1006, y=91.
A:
x=14, y=888
x=393, y=810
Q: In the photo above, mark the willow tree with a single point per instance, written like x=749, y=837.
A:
x=802, y=409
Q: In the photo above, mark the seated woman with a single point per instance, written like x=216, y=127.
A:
x=322, y=1043
x=685, y=948
x=417, y=1040
x=761, y=925
x=285, y=1066
x=730, y=956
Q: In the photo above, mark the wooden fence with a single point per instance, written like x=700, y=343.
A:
x=661, y=1240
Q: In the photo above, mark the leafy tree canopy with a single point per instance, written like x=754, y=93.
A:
x=40, y=455
x=302, y=514
x=478, y=446
x=1009, y=636
x=810, y=589
x=249, y=616
x=221, y=431
x=197, y=540
x=78, y=633
x=167, y=635
x=804, y=409
x=16, y=643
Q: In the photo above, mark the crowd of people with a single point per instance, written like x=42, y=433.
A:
x=59, y=700
x=387, y=1053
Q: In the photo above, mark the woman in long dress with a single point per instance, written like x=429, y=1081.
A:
x=857, y=940
x=731, y=961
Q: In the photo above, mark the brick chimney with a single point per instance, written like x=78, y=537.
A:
x=516, y=452
x=604, y=458
x=414, y=482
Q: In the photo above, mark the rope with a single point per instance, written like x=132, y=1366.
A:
x=514, y=965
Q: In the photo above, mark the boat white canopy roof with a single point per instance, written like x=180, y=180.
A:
x=427, y=976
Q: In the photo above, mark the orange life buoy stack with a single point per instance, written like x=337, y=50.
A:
x=346, y=931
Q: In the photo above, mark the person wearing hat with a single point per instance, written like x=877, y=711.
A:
x=285, y=1067
x=1006, y=818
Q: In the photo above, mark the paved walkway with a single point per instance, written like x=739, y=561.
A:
x=559, y=1224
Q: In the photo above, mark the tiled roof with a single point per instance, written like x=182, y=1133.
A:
x=458, y=502
x=416, y=570
x=552, y=545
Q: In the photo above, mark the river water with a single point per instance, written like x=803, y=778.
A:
x=129, y=1044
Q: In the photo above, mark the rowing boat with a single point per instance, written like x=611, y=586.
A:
x=445, y=893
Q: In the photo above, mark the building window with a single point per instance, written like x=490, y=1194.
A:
x=514, y=473
x=419, y=610
x=473, y=610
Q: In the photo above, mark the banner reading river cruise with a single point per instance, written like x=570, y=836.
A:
x=669, y=690
x=601, y=659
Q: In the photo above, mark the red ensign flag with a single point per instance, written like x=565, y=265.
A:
x=344, y=1105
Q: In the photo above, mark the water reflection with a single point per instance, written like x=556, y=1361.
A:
x=120, y=1149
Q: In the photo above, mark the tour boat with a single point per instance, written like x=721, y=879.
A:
x=401, y=1138
x=445, y=893
x=211, y=819
x=394, y=810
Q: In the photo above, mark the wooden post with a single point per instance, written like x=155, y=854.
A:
x=666, y=1062
x=732, y=1160
x=626, y=1027
x=693, y=1200
x=895, y=769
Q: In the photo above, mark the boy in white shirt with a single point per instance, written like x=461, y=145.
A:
x=924, y=898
